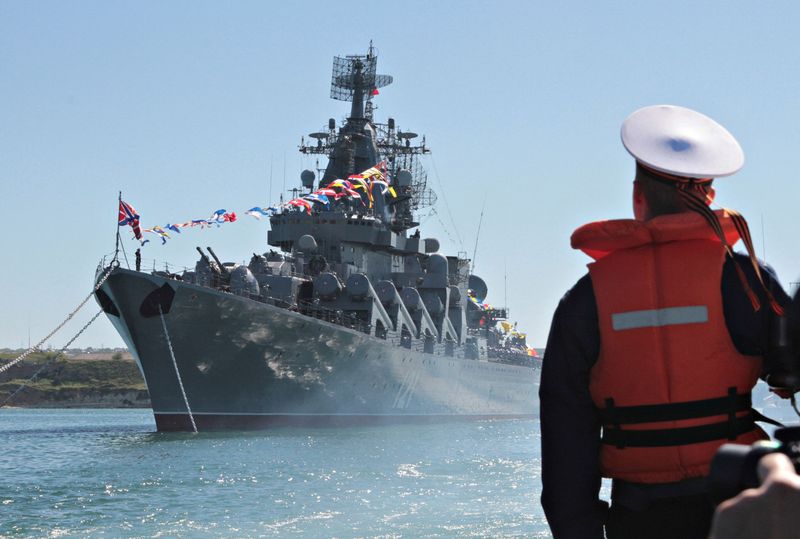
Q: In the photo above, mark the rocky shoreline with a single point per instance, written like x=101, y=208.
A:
x=74, y=382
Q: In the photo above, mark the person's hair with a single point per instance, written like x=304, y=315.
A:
x=662, y=194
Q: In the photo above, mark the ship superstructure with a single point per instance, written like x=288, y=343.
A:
x=349, y=318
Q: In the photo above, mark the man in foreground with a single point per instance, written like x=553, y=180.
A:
x=652, y=355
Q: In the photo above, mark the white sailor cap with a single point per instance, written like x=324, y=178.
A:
x=681, y=142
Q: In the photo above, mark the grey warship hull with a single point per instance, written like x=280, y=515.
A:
x=247, y=364
x=352, y=320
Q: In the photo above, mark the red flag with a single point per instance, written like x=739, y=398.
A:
x=375, y=91
x=128, y=216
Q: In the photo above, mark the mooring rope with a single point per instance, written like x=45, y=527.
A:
x=51, y=360
x=38, y=345
x=177, y=372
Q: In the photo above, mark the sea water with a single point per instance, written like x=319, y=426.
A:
x=107, y=473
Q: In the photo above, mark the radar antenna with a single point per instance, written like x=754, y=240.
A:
x=362, y=143
x=354, y=79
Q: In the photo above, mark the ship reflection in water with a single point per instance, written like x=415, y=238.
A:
x=351, y=321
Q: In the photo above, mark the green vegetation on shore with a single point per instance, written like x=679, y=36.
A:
x=69, y=382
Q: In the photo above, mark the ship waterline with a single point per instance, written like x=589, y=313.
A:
x=248, y=364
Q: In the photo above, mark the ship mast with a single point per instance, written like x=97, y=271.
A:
x=362, y=143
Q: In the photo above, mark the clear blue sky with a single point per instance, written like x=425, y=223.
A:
x=186, y=106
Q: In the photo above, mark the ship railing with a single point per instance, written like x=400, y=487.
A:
x=512, y=356
x=340, y=318
x=146, y=264
x=153, y=265
x=334, y=316
x=105, y=261
x=175, y=271
x=307, y=308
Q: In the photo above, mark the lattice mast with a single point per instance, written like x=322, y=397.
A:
x=361, y=143
x=354, y=79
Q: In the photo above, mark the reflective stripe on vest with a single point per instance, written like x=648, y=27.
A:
x=659, y=317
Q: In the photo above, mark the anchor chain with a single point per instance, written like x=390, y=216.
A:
x=52, y=359
x=177, y=372
x=38, y=345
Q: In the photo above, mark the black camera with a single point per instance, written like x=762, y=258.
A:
x=734, y=467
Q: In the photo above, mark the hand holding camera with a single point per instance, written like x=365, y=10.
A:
x=771, y=511
x=758, y=487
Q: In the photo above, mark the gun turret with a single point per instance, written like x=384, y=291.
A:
x=203, y=256
x=225, y=271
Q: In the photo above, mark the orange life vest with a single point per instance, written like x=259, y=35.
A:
x=669, y=384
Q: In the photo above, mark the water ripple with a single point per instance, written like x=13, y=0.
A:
x=107, y=473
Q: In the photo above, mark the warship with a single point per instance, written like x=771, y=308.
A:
x=347, y=319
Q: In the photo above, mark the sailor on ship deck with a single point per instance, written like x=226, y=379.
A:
x=652, y=355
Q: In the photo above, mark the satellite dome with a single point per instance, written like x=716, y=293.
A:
x=307, y=243
x=307, y=177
